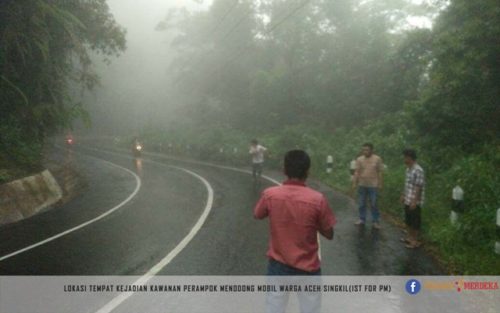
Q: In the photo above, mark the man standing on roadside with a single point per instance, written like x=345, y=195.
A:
x=296, y=214
x=257, y=152
x=368, y=179
x=413, y=197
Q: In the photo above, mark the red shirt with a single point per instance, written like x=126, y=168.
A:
x=296, y=214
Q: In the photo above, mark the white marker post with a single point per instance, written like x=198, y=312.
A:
x=457, y=196
x=329, y=164
x=497, y=243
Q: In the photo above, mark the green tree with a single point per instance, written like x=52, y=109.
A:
x=460, y=106
x=258, y=67
x=44, y=60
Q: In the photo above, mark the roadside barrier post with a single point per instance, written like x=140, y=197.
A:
x=457, y=206
x=497, y=243
x=329, y=164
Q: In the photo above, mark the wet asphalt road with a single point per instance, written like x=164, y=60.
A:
x=136, y=236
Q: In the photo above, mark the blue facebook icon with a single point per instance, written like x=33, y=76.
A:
x=413, y=286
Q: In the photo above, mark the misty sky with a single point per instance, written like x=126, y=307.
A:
x=134, y=87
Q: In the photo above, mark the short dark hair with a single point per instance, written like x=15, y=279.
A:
x=368, y=145
x=254, y=141
x=411, y=153
x=297, y=164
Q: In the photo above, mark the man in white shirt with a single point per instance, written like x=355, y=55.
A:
x=257, y=152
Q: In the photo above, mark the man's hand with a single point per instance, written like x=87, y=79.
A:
x=327, y=234
x=354, y=184
x=353, y=190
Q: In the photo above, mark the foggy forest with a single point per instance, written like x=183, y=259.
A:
x=200, y=79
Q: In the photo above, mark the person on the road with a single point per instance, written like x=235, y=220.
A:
x=69, y=139
x=136, y=147
x=257, y=152
x=368, y=179
x=296, y=214
x=413, y=197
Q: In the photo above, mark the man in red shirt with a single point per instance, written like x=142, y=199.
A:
x=296, y=215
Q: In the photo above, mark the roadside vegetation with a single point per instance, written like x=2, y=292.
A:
x=45, y=64
x=321, y=75
x=337, y=74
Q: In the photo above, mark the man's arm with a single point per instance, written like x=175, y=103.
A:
x=261, y=210
x=328, y=234
x=416, y=199
x=419, y=183
x=326, y=220
x=355, y=176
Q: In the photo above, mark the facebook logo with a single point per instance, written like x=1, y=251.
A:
x=413, y=286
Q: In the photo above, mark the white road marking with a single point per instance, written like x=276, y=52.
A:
x=118, y=300
x=270, y=179
x=103, y=215
x=113, y=304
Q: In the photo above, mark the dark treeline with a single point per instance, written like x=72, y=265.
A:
x=340, y=64
x=45, y=63
x=332, y=63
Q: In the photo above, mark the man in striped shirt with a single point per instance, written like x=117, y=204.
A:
x=413, y=197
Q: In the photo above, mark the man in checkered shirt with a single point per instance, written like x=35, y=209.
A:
x=413, y=198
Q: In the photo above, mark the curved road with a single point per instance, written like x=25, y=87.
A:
x=155, y=208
